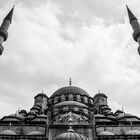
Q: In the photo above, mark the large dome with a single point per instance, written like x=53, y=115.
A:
x=70, y=89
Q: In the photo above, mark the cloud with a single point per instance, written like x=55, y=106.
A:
x=47, y=44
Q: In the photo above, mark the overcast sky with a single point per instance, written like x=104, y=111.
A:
x=52, y=40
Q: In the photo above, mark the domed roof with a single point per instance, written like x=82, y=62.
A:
x=7, y=132
x=133, y=132
x=100, y=95
x=70, y=135
x=41, y=94
x=34, y=133
x=22, y=111
x=13, y=117
x=70, y=89
x=106, y=133
x=118, y=112
x=122, y=115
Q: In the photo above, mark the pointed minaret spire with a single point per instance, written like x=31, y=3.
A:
x=9, y=15
x=4, y=29
x=131, y=15
x=135, y=26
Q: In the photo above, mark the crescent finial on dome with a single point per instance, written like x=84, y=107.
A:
x=70, y=81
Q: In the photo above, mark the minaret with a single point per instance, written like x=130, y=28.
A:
x=4, y=29
x=135, y=26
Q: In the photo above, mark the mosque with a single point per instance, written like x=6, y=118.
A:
x=70, y=113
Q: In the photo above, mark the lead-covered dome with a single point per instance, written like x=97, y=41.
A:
x=133, y=132
x=106, y=133
x=70, y=135
x=35, y=133
x=7, y=132
x=70, y=89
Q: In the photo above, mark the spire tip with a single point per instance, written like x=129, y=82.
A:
x=130, y=15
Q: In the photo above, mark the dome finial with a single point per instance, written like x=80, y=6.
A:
x=70, y=82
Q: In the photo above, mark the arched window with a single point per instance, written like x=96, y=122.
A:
x=66, y=98
x=82, y=99
x=74, y=98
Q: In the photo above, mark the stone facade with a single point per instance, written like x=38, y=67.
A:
x=70, y=108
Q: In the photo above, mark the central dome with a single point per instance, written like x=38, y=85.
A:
x=70, y=89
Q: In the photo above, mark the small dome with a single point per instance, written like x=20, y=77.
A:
x=7, y=132
x=122, y=115
x=41, y=94
x=100, y=95
x=34, y=133
x=70, y=89
x=23, y=112
x=106, y=133
x=70, y=135
x=118, y=112
x=133, y=132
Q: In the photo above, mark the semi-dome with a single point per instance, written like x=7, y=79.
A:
x=70, y=103
x=133, y=132
x=7, y=132
x=106, y=133
x=35, y=133
x=70, y=135
x=70, y=89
